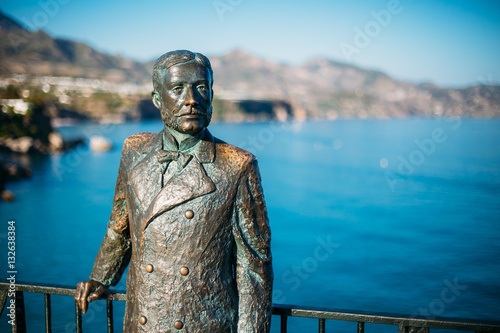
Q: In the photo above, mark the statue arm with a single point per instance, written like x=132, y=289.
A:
x=254, y=274
x=115, y=252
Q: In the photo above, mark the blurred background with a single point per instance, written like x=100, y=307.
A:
x=375, y=124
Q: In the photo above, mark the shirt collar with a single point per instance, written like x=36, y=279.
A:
x=176, y=141
x=201, y=145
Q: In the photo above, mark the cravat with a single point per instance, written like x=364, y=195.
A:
x=166, y=156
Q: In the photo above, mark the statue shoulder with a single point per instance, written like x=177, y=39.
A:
x=233, y=154
x=139, y=143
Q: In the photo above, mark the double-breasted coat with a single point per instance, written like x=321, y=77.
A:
x=198, y=247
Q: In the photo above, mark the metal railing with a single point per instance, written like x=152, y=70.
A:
x=405, y=323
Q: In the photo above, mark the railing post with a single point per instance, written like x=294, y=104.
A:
x=361, y=327
x=322, y=325
x=109, y=312
x=284, y=319
x=78, y=314
x=20, y=321
x=3, y=299
x=48, y=314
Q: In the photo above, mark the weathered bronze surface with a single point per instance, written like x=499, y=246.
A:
x=189, y=217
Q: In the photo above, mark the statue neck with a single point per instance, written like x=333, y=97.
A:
x=180, y=141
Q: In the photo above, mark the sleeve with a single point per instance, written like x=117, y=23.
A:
x=115, y=252
x=254, y=273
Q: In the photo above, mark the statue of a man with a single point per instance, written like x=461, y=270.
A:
x=189, y=216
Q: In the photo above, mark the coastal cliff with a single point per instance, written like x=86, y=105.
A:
x=84, y=83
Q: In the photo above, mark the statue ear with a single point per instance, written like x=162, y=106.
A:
x=156, y=100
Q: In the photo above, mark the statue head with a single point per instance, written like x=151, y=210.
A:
x=182, y=82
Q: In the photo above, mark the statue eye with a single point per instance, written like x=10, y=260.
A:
x=202, y=87
x=177, y=89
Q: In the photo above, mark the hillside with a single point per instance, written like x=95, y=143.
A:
x=36, y=53
x=320, y=88
x=326, y=88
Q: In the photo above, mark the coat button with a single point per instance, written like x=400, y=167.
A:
x=149, y=268
x=184, y=270
x=189, y=214
x=142, y=320
x=178, y=324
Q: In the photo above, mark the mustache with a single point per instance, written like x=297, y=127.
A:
x=191, y=111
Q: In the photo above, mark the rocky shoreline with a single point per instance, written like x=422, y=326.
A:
x=12, y=150
x=11, y=171
x=30, y=145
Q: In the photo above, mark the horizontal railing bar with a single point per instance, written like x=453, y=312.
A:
x=385, y=318
x=57, y=289
x=286, y=310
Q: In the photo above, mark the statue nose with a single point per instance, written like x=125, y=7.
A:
x=190, y=100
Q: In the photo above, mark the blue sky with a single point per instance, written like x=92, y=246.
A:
x=449, y=43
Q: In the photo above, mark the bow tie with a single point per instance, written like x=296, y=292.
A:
x=167, y=156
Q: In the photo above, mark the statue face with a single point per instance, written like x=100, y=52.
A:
x=185, y=100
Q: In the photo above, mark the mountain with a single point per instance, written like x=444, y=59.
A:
x=320, y=88
x=326, y=88
x=36, y=53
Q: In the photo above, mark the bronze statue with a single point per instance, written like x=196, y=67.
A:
x=189, y=216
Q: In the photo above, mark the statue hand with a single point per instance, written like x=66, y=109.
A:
x=88, y=291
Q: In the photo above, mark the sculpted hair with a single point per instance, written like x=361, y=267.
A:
x=178, y=57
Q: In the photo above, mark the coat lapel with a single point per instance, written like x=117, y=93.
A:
x=188, y=184
x=145, y=177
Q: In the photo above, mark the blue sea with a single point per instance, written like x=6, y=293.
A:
x=398, y=216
